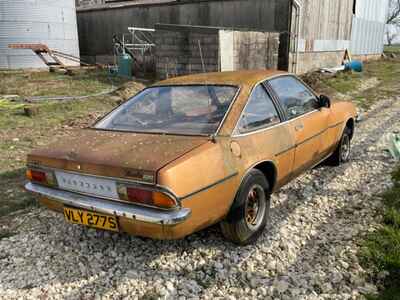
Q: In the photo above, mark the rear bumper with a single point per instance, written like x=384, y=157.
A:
x=130, y=213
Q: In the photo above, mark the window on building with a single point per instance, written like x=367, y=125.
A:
x=260, y=111
x=295, y=97
x=354, y=6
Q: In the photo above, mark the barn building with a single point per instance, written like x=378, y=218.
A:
x=312, y=33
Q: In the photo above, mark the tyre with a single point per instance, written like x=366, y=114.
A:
x=343, y=150
x=249, y=213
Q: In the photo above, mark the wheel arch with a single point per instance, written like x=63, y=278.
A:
x=268, y=169
x=350, y=124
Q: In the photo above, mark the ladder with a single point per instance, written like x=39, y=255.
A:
x=44, y=53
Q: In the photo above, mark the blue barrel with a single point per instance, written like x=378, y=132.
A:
x=354, y=65
x=125, y=63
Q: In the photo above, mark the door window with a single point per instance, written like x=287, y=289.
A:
x=260, y=111
x=295, y=97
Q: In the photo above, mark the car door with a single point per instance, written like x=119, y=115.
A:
x=305, y=117
x=261, y=136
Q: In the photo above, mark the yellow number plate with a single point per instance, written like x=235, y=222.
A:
x=91, y=219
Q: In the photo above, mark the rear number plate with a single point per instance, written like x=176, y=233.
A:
x=91, y=219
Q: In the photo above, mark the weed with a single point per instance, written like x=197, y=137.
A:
x=381, y=251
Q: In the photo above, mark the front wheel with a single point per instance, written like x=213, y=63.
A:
x=343, y=150
x=249, y=213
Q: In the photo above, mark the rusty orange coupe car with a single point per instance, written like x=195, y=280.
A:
x=192, y=151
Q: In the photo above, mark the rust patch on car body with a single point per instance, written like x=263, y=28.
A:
x=118, y=154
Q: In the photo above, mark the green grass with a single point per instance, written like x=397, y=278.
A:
x=381, y=251
x=345, y=82
x=44, y=83
x=392, y=49
x=385, y=72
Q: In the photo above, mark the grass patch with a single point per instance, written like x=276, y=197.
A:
x=392, y=49
x=44, y=83
x=378, y=80
x=381, y=251
x=345, y=82
x=12, y=194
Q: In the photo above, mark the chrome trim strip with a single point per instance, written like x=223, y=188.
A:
x=209, y=186
x=286, y=150
x=276, y=125
x=143, y=185
x=310, y=138
x=149, y=215
x=235, y=130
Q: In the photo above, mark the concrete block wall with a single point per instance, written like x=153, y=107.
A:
x=255, y=50
x=178, y=52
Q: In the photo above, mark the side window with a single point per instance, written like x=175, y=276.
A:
x=295, y=97
x=259, y=112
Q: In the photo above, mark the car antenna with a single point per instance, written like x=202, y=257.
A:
x=212, y=136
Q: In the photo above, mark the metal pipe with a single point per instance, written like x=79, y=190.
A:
x=297, y=7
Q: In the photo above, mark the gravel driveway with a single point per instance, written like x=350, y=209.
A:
x=308, y=252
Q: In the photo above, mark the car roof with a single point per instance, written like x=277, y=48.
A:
x=240, y=78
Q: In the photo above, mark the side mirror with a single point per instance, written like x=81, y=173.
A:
x=324, y=101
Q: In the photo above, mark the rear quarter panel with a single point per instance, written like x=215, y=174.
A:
x=206, y=181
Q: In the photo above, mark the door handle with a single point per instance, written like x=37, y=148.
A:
x=299, y=127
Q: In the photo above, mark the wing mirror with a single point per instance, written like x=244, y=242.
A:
x=324, y=101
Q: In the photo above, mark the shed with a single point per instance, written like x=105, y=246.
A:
x=313, y=33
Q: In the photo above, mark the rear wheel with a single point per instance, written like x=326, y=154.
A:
x=343, y=150
x=249, y=213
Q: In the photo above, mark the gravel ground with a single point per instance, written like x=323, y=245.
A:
x=309, y=250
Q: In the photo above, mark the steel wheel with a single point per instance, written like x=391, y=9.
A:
x=345, y=148
x=255, y=206
x=249, y=213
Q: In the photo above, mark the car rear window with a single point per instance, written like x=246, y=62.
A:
x=188, y=109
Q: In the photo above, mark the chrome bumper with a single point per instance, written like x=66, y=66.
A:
x=144, y=214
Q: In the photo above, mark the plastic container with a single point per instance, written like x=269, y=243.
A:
x=125, y=63
x=354, y=65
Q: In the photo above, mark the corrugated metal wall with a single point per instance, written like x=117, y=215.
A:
x=97, y=26
x=52, y=22
x=368, y=31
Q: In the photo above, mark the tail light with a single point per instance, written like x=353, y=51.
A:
x=147, y=197
x=40, y=176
